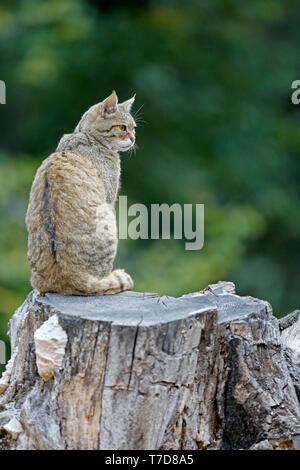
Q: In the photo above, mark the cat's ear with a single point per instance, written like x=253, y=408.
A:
x=109, y=105
x=126, y=106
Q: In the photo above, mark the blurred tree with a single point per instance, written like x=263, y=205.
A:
x=217, y=127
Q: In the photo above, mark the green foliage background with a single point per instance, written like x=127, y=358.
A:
x=214, y=79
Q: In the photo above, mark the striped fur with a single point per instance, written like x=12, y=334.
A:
x=72, y=234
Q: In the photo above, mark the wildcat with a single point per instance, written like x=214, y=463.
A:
x=72, y=234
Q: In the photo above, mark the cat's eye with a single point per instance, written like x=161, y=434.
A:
x=123, y=128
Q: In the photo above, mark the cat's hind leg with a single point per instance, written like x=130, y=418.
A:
x=86, y=284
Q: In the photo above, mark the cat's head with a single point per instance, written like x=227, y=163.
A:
x=111, y=123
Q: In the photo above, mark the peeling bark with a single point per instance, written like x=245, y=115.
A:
x=209, y=370
x=290, y=338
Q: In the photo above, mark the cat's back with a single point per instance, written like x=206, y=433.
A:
x=64, y=183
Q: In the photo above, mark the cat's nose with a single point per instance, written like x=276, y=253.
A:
x=132, y=138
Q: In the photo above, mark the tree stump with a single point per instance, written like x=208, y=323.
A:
x=208, y=370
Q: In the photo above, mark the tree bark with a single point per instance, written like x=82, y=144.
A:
x=208, y=370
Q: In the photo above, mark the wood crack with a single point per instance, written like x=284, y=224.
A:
x=133, y=351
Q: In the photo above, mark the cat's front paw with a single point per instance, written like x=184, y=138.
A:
x=126, y=282
x=130, y=283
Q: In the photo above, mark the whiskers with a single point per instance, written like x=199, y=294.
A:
x=132, y=150
x=137, y=115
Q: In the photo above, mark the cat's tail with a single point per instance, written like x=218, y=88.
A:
x=84, y=284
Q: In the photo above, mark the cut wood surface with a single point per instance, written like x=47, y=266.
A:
x=208, y=370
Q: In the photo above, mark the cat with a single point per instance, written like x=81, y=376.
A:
x=72, y=233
